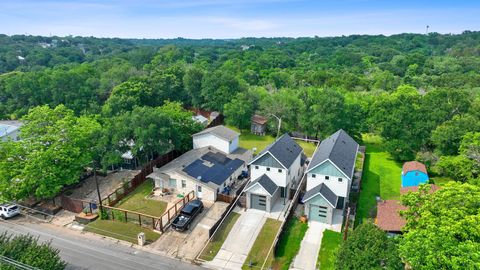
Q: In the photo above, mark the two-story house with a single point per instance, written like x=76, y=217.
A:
x=274, y=171
x=329, y=177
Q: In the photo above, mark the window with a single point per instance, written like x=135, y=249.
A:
x=256, y=167
x=268, y=169
x=340, y=179
x=224, y=184
x=172, y=182
x=279, y=170
x=314, y=175
x=199, y=188
x=327, y=177
x=184, y=184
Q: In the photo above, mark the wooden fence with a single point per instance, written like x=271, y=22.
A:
x=140, y=219
x=230, y=198
x=121, y=192
x=77, y=205
x=164, y=221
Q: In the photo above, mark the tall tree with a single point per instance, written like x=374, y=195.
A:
x=442, y=228
x=368, y=247
x=54, y=149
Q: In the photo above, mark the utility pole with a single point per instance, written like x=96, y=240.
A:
x=279, y=124
x=428, y=26
x=100, y=208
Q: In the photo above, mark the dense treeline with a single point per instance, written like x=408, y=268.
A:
x=419, y=92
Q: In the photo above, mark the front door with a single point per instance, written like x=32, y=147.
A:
x=199, y=191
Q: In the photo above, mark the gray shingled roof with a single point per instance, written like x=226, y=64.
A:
x=340, y=148
x=220, y=131
x=285, y=150
x=326, y=192
x=266, y=183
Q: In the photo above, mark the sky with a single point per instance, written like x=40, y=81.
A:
x=235, y=18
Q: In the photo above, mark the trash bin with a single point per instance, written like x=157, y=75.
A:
x=141, y=239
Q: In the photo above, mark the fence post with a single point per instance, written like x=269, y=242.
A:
x=113, y=215
x=153, y=223
x=140, y=220
x=126, y=219
x=161, y=224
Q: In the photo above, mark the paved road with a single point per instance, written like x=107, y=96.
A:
x=81, y=252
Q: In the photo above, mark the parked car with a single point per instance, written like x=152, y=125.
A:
x=9, y=210
x=187, y=215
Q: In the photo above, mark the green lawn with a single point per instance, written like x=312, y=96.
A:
x=381, y=176
x=328, y=250
x=440, y=181
x=289, y=243
x=121, y=230
x=137, y=201
x=217, y=241
x=262, y=245
x=249, y=141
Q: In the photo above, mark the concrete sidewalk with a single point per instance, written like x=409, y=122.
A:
x=306, y=258
x=239, y=241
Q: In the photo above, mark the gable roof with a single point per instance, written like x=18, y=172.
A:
x=388, y=217
x=340, y=149
x=259, y=119
x=220, y=131
x=265, y=182
x=284, y=149
x=413, y=166
x=322, y=189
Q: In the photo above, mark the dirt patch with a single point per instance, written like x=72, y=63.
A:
x=87, y=190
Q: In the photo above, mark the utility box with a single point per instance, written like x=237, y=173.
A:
x=141, y=239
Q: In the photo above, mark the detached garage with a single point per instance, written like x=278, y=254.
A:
x=262, y=193
x=320, y=204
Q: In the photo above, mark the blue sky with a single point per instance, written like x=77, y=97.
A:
x=234, y=18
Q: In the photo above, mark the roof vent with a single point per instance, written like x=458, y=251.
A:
x=199, y=177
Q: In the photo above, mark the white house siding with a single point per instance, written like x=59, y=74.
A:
x=279, y=178
x=208, y=193
x=209, y=139
x=233, y=145
x=339, y=188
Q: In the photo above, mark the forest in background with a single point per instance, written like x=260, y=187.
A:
x=419, y=92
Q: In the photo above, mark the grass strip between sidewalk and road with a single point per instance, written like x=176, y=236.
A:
x=121, y=230
x=262, y=245
x=289, y=243
x=219, y=237
x=331, y=241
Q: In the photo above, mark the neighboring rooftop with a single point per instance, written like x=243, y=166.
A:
x=327, y=193
x=340, y=148
x=9, y=126
x=405, y=190
x=388, y=216
x=212, y=165
x=259, y=119
x=266, y=183
x=284, y=149
x=220, y=131
x=413, y=166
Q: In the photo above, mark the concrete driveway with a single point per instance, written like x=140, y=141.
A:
x=187, y=245
x=239, y=241
x=306, y=258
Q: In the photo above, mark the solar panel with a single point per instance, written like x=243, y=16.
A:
x=216, y=158
x=218, y=173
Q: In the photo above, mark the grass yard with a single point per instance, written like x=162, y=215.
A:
x=381, y=176
x=262, y=245
x=217, y=241
x=440, y=181
x=328, y=250
x=137, y=201
x=249, y=141
x=289, y=243
x=121, y=230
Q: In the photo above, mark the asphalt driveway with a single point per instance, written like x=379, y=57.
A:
x=239, y=241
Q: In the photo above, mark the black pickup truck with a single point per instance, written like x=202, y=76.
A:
x=189, y=212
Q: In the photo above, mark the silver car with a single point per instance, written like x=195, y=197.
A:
x=9, y=210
